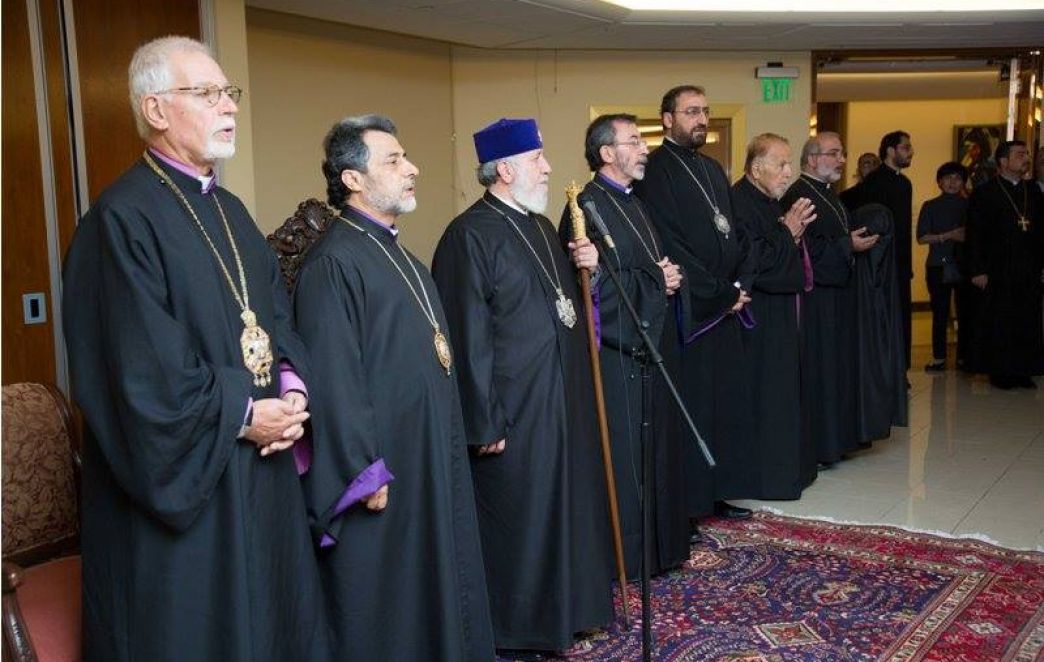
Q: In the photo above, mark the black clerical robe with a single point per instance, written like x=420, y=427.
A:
x=194, y=547
x=881, y=395
x=406, y=583
x=638, y=249
x=525, y=377
x=828, y=317
x=1012, y=255
x=714, y=373
x=784, y=456
x=891, y=188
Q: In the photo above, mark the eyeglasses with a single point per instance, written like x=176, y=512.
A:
x=832, y=153
x=633, y=142
x=210, y=93
x=695, y=111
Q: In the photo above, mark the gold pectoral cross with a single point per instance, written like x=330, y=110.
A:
x=1024, y=223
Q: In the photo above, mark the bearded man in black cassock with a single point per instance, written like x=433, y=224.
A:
x=400, y=561
x=829, y=357
x=784, y=456
x=183, y=361
x=617, y=154
x=1005, y=254
x=514, y=314
x=687, y=195
x=888, y=186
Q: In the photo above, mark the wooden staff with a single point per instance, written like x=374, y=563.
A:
x=580, y=230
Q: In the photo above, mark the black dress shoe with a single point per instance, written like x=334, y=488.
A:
x=1002, y=382
x=1026, y=382
x=694, y=532
x=729, y=511
x=935, y=365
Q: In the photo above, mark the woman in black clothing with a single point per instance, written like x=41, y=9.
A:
x=941, y=226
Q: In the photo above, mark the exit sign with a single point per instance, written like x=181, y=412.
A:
x=775, y=90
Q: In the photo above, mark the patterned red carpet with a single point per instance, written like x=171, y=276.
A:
x=774, y=589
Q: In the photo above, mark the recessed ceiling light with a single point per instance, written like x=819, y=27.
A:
x=835, y=6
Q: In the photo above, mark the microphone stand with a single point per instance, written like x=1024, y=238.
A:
x=646, y=356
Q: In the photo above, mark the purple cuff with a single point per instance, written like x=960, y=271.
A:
x=289, y=379
x=745, y=317
x=302, y=450
x=806, y=262
x=369, y=480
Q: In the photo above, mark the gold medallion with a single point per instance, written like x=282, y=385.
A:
x=257, y=349
x=442, y=351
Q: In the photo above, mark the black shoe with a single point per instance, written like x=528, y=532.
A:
x=729, y=511
x=1026, y=382
x=936, y=365
x=1002, y=382
x=825, y=466
x=694, y=532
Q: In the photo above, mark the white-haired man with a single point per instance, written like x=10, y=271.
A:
x=510, y=296
x=183, y=360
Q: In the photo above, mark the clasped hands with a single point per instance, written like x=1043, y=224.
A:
x=277, y=423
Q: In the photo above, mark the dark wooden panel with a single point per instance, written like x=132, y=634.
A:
x=107, y=33
x=28, y=351
x=59, y=113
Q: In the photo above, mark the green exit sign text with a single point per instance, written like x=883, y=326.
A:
x=775, y=90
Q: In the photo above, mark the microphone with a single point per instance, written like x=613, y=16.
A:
x=592, y=214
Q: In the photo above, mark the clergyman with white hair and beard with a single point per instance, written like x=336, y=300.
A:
x=189, y=376
x=617, y=154
x=515, y=319
x=390, y=551
x=828, y=311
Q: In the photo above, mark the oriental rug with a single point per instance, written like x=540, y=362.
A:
x=775, y=588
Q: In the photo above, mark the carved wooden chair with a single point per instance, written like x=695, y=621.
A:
x=41, y=566
x=292, y=240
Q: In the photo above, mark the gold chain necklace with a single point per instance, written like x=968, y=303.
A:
x=442, y=346
x=654, y=252
x=1023, y=221
x=255, y=343
x=842, y=215
x=563, y=304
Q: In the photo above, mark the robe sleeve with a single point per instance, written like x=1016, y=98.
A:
x=171, y=418
x=347, y=464
x=644, y=285
x=772, y=258
x=710, y=296
x=977, y=240
x=462, y=272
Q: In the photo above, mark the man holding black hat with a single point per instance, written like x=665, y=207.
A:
x=514, y=314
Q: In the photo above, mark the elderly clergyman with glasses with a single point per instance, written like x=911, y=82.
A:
x=183, y=360
x=687, y=195
x=828, y=311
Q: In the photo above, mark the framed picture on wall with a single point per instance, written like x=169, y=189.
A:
x=973, y=147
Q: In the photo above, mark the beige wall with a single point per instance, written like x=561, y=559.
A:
x=930, y=125
x=230, y=47
x=559, y=88
x=307, y=74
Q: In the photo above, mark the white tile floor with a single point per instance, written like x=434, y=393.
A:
x=971, y=462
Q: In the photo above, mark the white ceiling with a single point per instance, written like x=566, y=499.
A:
x=591, y=24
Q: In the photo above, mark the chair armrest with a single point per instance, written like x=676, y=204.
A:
x=18, y=647
x=13, y=576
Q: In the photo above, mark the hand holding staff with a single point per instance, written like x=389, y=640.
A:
x=579, y=231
